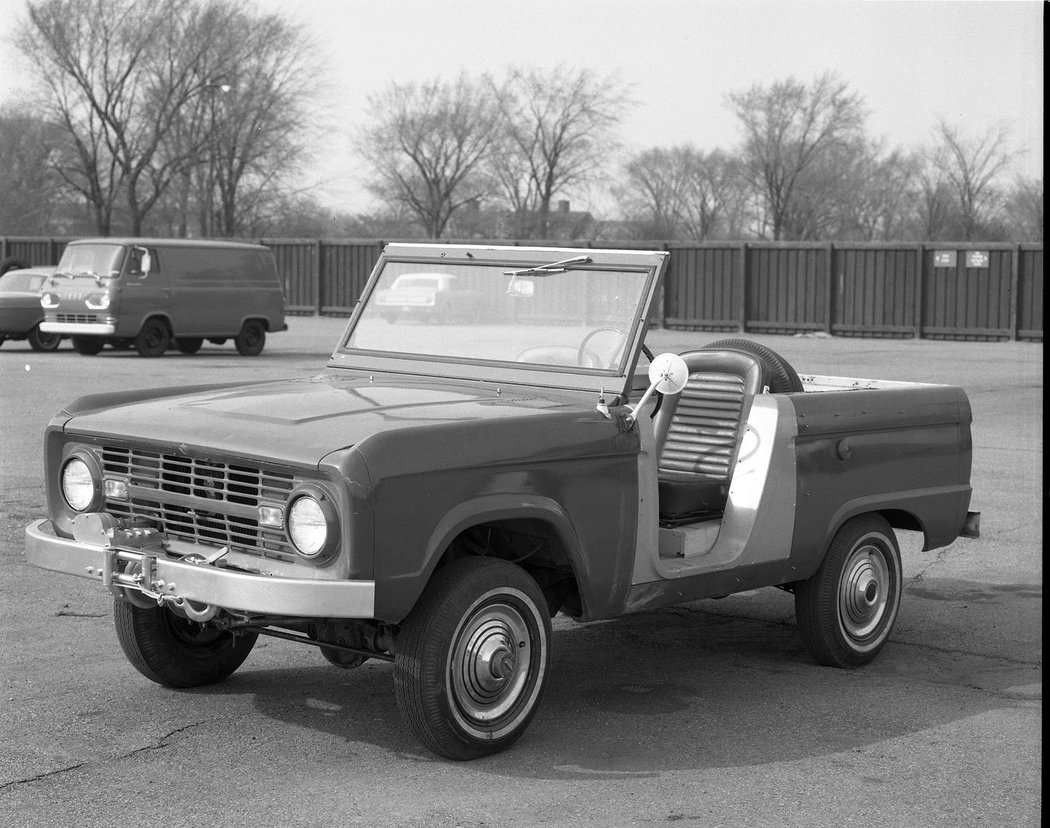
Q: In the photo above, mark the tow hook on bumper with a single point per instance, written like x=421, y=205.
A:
x=130, y=559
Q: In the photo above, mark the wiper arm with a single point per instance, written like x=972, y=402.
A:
x=553, y=267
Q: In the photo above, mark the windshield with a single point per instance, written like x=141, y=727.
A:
x=579, y=317
x=91, y=259
x=23, y=280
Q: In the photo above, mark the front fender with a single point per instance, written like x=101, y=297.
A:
x=399, y=594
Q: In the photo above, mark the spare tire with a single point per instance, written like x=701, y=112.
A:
x=782, y=377
x=12, y=263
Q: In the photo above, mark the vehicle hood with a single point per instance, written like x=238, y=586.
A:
x=296, y=421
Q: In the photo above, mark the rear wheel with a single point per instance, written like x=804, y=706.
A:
x=153, y=339
x=846, y=611
x=174, y=651
x=87, y=345
x=251, y=339
x=472, y=659
x=40, y=341
x=782, y=377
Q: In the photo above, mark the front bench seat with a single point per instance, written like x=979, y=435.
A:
x=698, y=432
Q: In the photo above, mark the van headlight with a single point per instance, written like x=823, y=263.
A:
x=49, y=300
x=80, y=486
x=311, y=524
x=97, y=301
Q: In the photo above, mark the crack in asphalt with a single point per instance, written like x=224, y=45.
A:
x=159, y=744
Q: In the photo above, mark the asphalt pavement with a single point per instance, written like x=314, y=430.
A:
x=707, y=714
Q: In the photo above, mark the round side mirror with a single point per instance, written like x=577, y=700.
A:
x=668, y=373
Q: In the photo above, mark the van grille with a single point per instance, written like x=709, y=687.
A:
x=77, y=318
x=201, y=501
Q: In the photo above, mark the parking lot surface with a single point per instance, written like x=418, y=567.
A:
x=706, y=714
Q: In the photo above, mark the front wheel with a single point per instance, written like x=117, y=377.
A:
x=153, y=339
x=251, y=339
x=846, y=611
x=472, y=658
x=174, y=651
x=40, y=341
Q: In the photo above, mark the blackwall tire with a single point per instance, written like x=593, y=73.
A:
x=174, y=651
x=782, y=377
x=472, y=659
x=252, y=338
x=846, y=611
x=153, y=339
x=40, y=341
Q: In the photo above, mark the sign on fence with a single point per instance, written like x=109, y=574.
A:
x=977, y=258
x=944, y=258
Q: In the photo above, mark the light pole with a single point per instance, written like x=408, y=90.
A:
x=220, y=86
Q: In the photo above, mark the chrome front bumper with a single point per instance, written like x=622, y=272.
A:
x=74, y=328
x=177, y=580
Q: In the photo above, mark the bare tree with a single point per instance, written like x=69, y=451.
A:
x=257, y=106
x=788, y=127
x=971, y=166
x=1024, y=209
x=31, y=188
x=557, y=132
x=120, y=73
x=655, y=188
x=426, y=146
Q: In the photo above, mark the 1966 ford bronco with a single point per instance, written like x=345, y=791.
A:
x=463, y=470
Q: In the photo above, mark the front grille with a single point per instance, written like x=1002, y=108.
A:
x=77, y=318
x=201, y=501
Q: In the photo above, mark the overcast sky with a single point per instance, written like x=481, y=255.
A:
x=975, y=62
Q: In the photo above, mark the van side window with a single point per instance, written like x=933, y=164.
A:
x=135, y=261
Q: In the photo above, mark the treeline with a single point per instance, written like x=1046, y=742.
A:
x=195, y=117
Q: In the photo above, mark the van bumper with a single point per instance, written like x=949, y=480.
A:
x=166, y=579
x=74, y=328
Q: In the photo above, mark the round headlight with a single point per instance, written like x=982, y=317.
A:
x=307, y=526
x=78, y=486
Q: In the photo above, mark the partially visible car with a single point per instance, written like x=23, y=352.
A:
x=20, y=311
x=429, y=297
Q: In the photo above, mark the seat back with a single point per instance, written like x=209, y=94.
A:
x=699, y=431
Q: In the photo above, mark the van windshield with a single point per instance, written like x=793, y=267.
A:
x=98, y=260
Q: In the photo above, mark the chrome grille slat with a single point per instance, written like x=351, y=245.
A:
x=201, y=501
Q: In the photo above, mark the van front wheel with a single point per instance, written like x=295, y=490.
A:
x=153, y=339
x=251, y=339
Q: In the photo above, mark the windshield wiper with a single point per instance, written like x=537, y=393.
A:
x=553, y=267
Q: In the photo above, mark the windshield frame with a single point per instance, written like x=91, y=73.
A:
x=648, y=264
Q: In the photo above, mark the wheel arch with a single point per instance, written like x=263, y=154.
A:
x=254, y=317
x=512, y=524
x=896, y=514
x=149, y=317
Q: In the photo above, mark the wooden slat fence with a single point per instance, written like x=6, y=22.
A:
x=931, y=290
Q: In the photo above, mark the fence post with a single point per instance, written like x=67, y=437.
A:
x=829, y=298
x=1015, y=292
x=743, y=272
x=317, y=275
x=920, y=289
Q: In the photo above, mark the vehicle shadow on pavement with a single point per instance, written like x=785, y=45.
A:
x=672, y=689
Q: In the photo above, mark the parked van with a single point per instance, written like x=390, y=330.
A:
x=150, y=293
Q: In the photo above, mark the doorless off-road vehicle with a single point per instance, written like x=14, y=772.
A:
x=449, y=482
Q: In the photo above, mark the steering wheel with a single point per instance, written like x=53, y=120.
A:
x=585, y=357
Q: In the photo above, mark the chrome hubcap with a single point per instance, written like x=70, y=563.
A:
x=863, y=592
x=490, y=662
